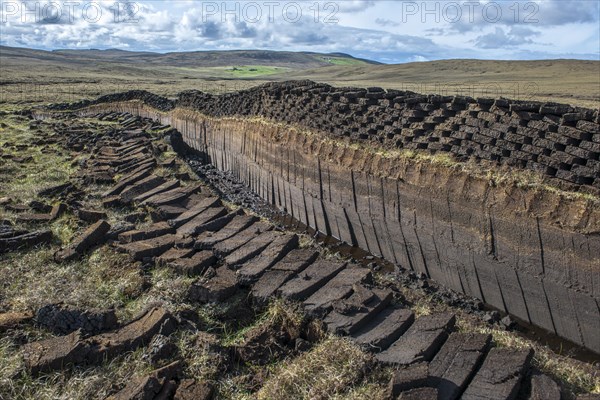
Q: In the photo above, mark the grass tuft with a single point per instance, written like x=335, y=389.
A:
x=328, y=369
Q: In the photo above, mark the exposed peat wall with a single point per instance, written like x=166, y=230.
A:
x=532, y=252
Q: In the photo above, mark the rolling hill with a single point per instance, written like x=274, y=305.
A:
x=197, y=59
x=41, y=76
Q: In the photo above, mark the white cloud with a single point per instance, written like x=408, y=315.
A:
x=373, y=29
x=418, y=58
x=353, y=5
x=501, y=39
x=386, y=22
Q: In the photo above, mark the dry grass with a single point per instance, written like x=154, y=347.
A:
x=75, y=384
x=329, y=369
x=373, y=387
x=104, y=280
x=286, y=315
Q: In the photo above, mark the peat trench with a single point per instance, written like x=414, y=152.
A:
x=492, y=198
x=237, y=193
x=228, y=251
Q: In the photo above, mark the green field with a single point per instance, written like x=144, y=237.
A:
x=342, y=61
x=244, y=71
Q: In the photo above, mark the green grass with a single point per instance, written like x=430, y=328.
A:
x=340, y=61
x=50, y=165
x=105, y=279
x=250, y=71
x=228, y=72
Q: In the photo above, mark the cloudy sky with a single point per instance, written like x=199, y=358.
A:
x=385, y=30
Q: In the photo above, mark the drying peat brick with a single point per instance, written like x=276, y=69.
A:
x=25, y=239
x=137, y=164
x=56, y=190
x=251, y=248
x=456, y=362
x=158, y=384
x=93, y=236
x=34, y=218
x=500, y=375
x=167, y=212
x=90, y=215
x=216, y=224
x=206, y=240
x=268, y=284
x=58, y=210
x=11, y=320
x=294, y=262
x=352, y=314
x=111, y=202
x=194, y=211
x=129, y=148
x=62, y=319
x=18, y=208
x=216, y=288
x=587, y=126
x=169, y=163
x=135, y=217
x=424, y=393
x=407, y=378
x=45, y=216
x=190, y=389
x=118, y=228
x=339, y=287
x=127, y=181
x=275, y=251
x=311, y=279
x=60, y=352
x=543, y=387
x=198, y=224
x=195, y=265
x=141, y=187
x=384, y=329
x=155, y=230
x=174, y=254
x=421, y=341
x=172, y=196
x=170, y=185
x=227, y=246
x=150, y=247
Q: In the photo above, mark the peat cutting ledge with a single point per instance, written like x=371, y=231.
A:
x=494, y=198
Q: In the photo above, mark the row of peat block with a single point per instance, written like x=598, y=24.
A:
x=556, y=140
x=229, y=251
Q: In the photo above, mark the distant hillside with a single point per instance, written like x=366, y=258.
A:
x=36, y=75
x=197, y=59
